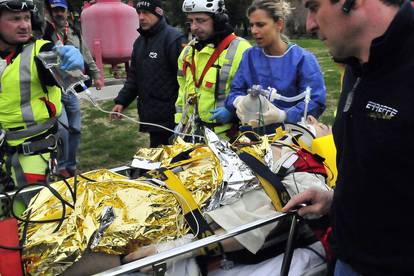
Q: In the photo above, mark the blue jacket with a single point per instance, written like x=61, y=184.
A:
x=290, y=74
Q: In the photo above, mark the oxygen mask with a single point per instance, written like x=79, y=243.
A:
x=252, y=107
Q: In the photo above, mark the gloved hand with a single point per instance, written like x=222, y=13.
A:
x=240, y=108
x=221, y=115
x=71, y=58
x=271, y=116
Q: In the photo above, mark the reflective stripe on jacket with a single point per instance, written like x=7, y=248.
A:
x=228, y=61
x=23, y=103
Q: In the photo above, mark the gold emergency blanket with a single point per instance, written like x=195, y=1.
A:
x=144, y=212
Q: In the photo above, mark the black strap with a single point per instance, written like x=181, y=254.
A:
x=217, y=85
x=47, y=144
x=262, y=170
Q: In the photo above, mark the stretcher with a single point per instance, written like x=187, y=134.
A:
x=158, y=261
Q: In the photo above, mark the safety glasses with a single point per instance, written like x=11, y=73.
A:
x=18, y=5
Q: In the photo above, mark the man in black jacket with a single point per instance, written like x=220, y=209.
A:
x=373, y=132
x=152, y=77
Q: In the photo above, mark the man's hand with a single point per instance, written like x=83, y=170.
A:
x=99, y=83
x=118, y=108
x=71, y=57
x=318, y=202
x=140, y=253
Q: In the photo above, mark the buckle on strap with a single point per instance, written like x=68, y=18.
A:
x=32, y=147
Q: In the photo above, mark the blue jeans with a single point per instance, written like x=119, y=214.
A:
x=343, y=269
x=71, y=118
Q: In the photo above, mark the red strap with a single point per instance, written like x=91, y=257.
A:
x=63, y=40
x=217, y=52
x=9, y=57
x=51, y=108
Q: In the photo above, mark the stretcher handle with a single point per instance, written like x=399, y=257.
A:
x=161, y=257
x=287, y=258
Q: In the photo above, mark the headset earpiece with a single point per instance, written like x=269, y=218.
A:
x=221, y=17
x=347, y=6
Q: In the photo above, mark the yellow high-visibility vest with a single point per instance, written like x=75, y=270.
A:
x=22, y=99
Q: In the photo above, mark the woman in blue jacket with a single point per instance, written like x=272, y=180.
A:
x=277, y=65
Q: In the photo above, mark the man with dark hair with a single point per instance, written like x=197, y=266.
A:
x=29, y=98
x=207, y=67
x=152, y=76
x=372, y=202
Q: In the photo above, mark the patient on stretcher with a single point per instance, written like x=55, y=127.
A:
x=226, y=191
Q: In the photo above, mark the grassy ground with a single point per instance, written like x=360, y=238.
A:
x=105, y=143
x=110, y=144
x=331, y=73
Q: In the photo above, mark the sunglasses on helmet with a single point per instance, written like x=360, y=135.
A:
x=18, y=5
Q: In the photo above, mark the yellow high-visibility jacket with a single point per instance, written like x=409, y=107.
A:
x=23, y=103
x=228, y=62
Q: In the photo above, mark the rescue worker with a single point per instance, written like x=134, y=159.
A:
x=207, y=66
x=374, y=39
x=153, y=71
x=279, y=65
x=29, y=98
x=59, y=28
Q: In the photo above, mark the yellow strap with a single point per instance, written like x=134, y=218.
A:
x=188, y=204
x=271, y=192
x=186, y=199
x=268, y=187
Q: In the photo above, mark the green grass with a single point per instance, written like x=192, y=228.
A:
x=108, y=144
x=331, y=74
x=105, y=143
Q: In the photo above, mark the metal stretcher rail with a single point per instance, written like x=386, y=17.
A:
x=158, y=259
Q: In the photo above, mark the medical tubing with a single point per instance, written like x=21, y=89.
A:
x=88, y=93
x=307, y=100
x=288, y=99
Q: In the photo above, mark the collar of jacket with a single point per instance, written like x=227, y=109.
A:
x=161, y=24
x=19, y=48
x=215, y=39
x=385, y=48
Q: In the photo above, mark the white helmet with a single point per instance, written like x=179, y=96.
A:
x=17, y=5
x=211, y=6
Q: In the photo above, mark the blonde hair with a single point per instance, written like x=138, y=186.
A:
x=276, y=9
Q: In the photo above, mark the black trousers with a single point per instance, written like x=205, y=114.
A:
x=159, y=138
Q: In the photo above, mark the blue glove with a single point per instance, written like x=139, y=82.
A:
x=221, y=115
x=71, y=58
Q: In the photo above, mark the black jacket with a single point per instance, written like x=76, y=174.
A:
x=374, y=134
x=152, y=76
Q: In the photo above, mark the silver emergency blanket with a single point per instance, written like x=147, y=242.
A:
x=237, y=176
